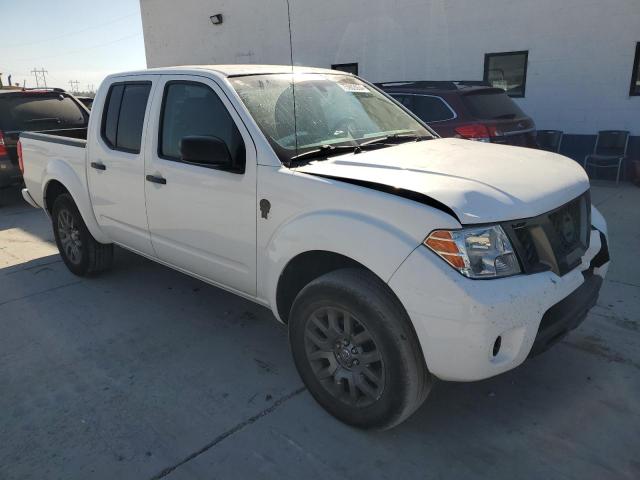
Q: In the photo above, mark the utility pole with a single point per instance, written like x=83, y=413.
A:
x=74, y=86
x=40, y=74
x=90, y=87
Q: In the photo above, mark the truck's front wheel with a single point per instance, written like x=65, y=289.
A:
x=355, y=350
x=81, y=253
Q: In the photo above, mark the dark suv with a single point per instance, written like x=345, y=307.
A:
x=28, y=111
x=470, y=110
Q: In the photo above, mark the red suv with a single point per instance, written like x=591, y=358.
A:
x=470, y=110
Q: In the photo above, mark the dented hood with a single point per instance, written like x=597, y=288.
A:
x=480, y=182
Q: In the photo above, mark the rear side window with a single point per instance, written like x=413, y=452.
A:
x=491, y=105
x=110, y=123
x=403, y=99
x=428, y=108
x=36, y=111
x=194, y=109
x=123, y=118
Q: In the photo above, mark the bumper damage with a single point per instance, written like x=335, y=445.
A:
x=473, y=329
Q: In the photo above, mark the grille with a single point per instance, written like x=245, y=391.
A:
x=554, y=241
x=528, y=251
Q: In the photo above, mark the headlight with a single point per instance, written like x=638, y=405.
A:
x=477, y=252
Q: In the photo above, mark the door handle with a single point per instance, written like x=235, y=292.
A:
x=98, y=166
x=154, y=179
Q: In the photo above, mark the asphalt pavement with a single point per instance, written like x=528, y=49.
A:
x=144, y=372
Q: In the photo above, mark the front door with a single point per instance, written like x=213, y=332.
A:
x=116, y=162
x=202, y=218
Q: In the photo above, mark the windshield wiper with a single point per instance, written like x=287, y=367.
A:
x=324, y=151
x=396, y=138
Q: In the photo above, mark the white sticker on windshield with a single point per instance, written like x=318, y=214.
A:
x=354, y=87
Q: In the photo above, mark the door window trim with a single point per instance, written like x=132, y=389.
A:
x=453, y=112
x=105, y=111
x=159, y=153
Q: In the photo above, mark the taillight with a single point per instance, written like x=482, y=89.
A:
x=20, y=161
x=478, y=132
x=3, y=147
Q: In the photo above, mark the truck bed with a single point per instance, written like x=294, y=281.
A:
x=54, y=150
x=76, y=137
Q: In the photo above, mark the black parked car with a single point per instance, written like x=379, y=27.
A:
x=472, y=110
x=33, y=110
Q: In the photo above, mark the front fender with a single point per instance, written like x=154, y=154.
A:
x=62, y=172
x=376, y=244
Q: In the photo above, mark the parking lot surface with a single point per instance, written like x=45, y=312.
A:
x=144, y=373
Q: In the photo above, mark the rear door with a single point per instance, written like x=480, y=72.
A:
x=202, y=219
x=116, y=162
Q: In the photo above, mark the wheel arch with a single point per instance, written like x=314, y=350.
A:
x=61, y=178
x=52, y=190
x=302, y=270
x=306, y=267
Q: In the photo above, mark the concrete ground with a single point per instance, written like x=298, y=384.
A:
x=146, y=373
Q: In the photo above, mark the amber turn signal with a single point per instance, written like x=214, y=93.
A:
x=442, y=243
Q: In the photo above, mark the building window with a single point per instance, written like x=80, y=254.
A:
x=346, y=67
x=635, y=75
x=507, y=70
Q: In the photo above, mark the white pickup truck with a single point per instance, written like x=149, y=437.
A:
x=394, y=257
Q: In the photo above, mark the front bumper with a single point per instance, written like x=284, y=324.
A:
x=567, y=314
x=458, y=320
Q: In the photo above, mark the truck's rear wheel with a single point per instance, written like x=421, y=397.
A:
x=355, y=350
x=81, y=253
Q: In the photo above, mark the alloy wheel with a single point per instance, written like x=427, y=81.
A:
x=69, y=235
x=344, y=356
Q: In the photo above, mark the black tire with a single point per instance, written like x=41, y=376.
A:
x=81, y=253
x=356, y=300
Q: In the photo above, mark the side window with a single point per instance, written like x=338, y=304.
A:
x=131, y=121
x=431, y=109
x=194, y=109
x=403, y=99
x=110, y=119
x=123, y=118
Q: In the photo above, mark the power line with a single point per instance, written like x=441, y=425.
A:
x=86, y=29
x=82, y=49
x=74, y=85
x=40, y=74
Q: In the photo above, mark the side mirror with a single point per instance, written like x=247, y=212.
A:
x=206, y=151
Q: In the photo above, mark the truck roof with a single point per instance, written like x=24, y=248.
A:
x=232, y=70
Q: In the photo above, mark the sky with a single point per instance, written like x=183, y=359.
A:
x=71, y=39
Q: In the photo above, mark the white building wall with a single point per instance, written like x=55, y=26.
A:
x=580, y=51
